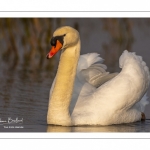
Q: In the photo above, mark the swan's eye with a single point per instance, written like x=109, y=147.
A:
x=59, y=38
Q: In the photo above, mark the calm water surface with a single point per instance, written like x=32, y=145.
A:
x=24, y=87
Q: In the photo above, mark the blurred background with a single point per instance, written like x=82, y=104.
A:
x=25, y=73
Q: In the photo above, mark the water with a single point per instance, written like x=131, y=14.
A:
x=131, y=127
x=25, y=82
x=24, y=95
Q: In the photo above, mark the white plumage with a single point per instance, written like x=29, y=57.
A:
x=101, y=98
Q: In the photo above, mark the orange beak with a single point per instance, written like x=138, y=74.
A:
x=54, y=49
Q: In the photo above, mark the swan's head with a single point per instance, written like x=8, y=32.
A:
x=63, y=38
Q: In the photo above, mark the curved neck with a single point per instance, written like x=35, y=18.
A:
x=58, y=111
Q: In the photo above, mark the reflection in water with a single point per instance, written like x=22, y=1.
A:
x=38, y=127
x=53, y=128
x=26, y=75
x=132, y=127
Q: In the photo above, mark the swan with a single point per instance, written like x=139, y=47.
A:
x=84, y=93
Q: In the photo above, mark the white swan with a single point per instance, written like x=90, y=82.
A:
x=94, y=96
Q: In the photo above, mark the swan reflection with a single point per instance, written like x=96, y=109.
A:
x=132, y=127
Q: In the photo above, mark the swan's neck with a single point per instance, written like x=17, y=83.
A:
x=58, y=110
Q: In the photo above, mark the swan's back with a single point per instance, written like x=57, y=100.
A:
x=118, y=99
